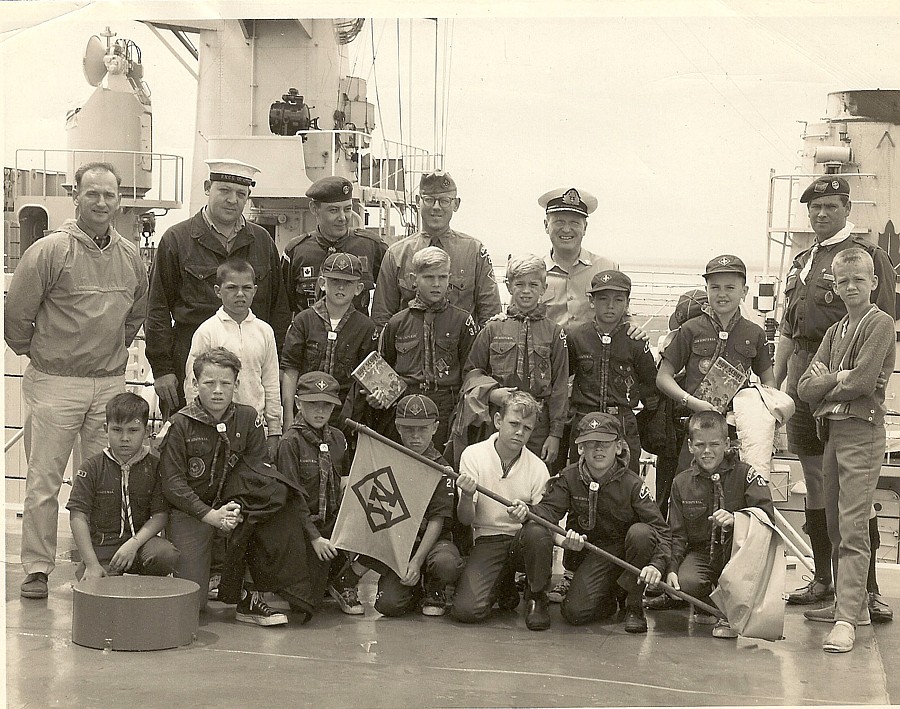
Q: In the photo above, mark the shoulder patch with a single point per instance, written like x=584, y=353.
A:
x=645, y=493
x=81, y=474
x=562, y=336
x=484, y=254
x=160, y=437
x=752, y=476
x=646, y=347
x=470, y=325
x=260, y=419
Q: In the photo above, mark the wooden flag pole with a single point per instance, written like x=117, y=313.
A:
x=678, y=593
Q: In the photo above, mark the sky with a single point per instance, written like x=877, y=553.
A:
x=672, y=114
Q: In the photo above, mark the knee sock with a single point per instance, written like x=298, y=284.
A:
x=817, y=530
x=874, y=543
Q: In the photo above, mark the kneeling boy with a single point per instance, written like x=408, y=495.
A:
x=116, y=507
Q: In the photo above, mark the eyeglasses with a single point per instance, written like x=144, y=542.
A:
x=430, y=201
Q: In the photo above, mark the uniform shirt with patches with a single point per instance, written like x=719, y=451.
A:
x=97, y=494
x=304, y=255
x=499, y=347
x=403, y=338
x=695, y=344
x=189, y=448
x=623, y=500
x=692, y=498
x=442, y=502
x=632, y=370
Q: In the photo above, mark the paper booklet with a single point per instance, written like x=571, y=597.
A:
x=375, y=374
x=721, y=383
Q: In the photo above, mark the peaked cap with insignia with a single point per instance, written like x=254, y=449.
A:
x=726, y=263
x=597, y=426
x=347, y=267
x=318, y=386
x=227, y=170
x=568, y=199
x=610, y=280
x=436, y=182
x=416, y=409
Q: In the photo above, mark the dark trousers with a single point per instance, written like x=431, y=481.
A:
x=699, y=574
x=156, y=557
x=595, y=577
x=530, y=550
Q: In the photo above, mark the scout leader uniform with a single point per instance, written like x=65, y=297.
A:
x=616, y=513
x=612, y=371
x=527, y=351
x=304, y=255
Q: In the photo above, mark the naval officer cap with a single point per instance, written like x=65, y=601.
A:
x=225, y=170
x=825, y=187
x=318, y=386
x=610, y=280
x=331, y=189
x=568, y=199
x=436, y=182
x=726, y=263
x=597, y=426
x=346, y=267
x=416, y=410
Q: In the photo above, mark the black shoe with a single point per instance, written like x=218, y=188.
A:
x=879, y=611
x=634, y=620
x=253, y=609
x=537, y=611
x=816, y=591
x=664, y=602
x=34, y=585
x=607, y=607
x=507, y=595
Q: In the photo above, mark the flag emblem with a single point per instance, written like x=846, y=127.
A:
x=380, y=497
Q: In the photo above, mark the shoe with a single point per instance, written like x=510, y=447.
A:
x=663, y=602
x=213, y=593
x=634, y=620
x=815, y=591
x=348, y=600
x=840, y=639
x=507, y=595
x=34, y=585
x=537, y=612
x=724, y=630
x=879, y=611
x=558, y=594
x=253, y=609
x=434, y=604
x=704, y=618
x=826, y=615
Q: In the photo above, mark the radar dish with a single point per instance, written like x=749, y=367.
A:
x=94, y=68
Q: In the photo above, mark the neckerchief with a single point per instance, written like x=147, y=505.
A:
x=593, y=487
x=430, y=312
x=716, y=533
x=322, y=311
x=126, y=521
x=830, y=241
x=605, y=350
x=328, y=246
x=328, y=494
x=523, y=358
x=222, y=451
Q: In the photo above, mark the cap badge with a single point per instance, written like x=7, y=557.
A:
x=724, y=260
x=571, y=197
x=415, y=407
x=605, y=278
x=594, y=423
x=322, y=384
x=820, y=187
x=346, y=188
x=835, y=185
x=445, y=182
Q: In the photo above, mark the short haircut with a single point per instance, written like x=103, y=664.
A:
x=522, y=401
x=103, y=166
x=234, y=266
x=527, y=263
x=704, y=420
x=854, y=256
x=429, y=257
x=126, y=407
x=219, y=357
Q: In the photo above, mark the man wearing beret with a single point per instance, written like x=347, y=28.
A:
x=183, y=276
x=331, y=203
x=472, y=284
x=811, y=307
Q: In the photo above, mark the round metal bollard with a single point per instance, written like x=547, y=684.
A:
x=134, y=612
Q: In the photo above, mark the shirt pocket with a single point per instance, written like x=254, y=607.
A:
x=703, y=348
x=503, y=358
x=695, y=518
x=459, y=284
x=446, y=363
x=199, y=281
x=541, y=366
x=746, y=350
x=312, y=356
x=406, y=356
x=824, y=290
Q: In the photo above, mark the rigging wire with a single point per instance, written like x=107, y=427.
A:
x=448, y=63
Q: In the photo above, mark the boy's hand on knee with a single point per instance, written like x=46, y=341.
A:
x=412, y=575
x=518, y=511
x=672, y=580
x=722, y=518
x=325, y=550
x=124, y=557
x=573, y=540
x=650, y=575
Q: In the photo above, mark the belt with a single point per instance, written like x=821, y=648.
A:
x=805, y=344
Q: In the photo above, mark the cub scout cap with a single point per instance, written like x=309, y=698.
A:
x=416, y=409
x=330, y=189
x=226, y=170
x=568, y=199
x=344, y=266
x=726, y=263
x=610, y=280
x=825, y=187
x=436, y=182
x=597, y=426
x=690, y=305
x=318, y=386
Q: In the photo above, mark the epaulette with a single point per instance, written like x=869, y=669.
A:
x=860, y=240
x=369, y=234
x=296, y=241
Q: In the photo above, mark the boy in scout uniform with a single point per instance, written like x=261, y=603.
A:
x=331, y=202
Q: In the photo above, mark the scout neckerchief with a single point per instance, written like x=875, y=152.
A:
x=330, y=247
x=222, y=450
x=431, y=311
x=716, y=533
x=126, y=522
x=327, y=365
x=593, y=487
x=830, y=241
x=317, y=437
x=523, y=353
x=605, y=351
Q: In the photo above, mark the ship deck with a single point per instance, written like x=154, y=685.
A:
x=370, y=661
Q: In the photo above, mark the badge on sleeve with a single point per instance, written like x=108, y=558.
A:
x=645, y=493
x=196, y=467
x=829, y=296
x=81, y=474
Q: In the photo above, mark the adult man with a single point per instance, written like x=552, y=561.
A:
x=811, y=307
x=331, y=202
x=183, y=277
x=472, y=284
x=76, y=301
x=570, y=267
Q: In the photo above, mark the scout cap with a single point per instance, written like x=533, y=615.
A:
x=568, y=199
x=436, y=182
x=318, y=386
x=597, y=426
x=610, y=280
x=825, y=187
x=344, y=266
x=726, y=263
x=330, y=189
x=416, y=409
x=690, y=305
x=226, y=170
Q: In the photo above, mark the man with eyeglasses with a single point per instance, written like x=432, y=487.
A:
x=472, y=284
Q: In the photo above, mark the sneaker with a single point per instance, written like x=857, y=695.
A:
x=704, y=618
x=34, y=585
x=634, y=620
x=537, y=612
x=663, y=602
x=826, y=615
x=840, y=639
x=347, y=599
x=253, y=609
x=558, y=594
x=213, y=593
x=434, y=604
x=724, y=630
x=815, y=591
x=879, y=611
